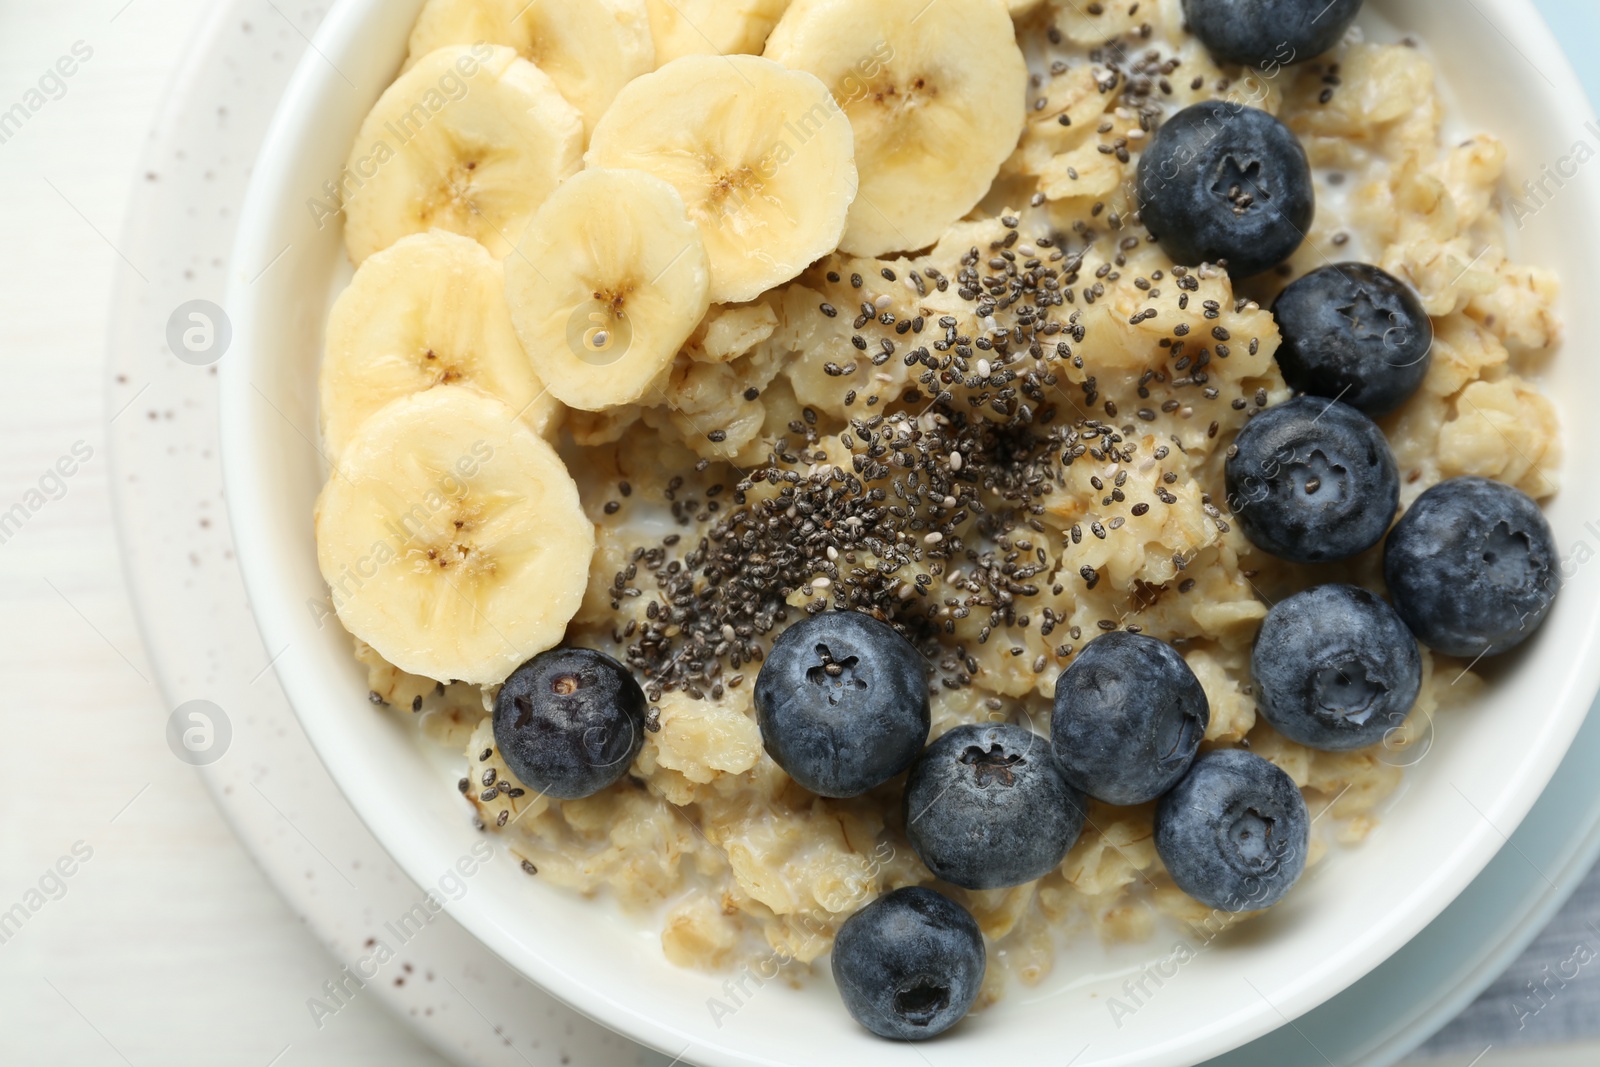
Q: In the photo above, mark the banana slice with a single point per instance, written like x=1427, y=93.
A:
x=761, y=155
x=431, y=310
x=936, y=93
x=590, y=48
x=471, y=140
x=607, y=285
x=452, y=538
x=711, y=27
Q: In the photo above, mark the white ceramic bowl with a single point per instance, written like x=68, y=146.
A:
x=1488, y=763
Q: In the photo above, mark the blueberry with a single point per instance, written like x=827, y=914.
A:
x=1335, y=668
x=1472, y=567
x=569, y=722
x=842, y=701
x=1223, y=181
x=1268, y=34
x=986, y=807
x=1234, y=833
x=1129, y=718
x=1355, y=333
x=910, y=964
x=1312, y=481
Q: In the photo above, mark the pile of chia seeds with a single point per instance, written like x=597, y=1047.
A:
x=938, y=514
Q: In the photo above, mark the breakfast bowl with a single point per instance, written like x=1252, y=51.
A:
x=1178, y=997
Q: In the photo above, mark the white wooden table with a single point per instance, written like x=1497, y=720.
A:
x=164, y=946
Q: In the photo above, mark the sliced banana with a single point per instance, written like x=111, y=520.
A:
x=590, y=48
x=471, y=140
x=452, y=539
x=607, y=285
x=711, y=27
x=428, y=311
x=761, y=155
x=936, y=93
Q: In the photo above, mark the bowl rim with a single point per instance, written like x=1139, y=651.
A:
x=256, y=241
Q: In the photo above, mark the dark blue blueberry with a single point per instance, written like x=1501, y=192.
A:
x=569, y=722
x=1268, y=34
x=842, y=701
x=1313, y=481
x=1472, y=567
x=1355, y=333
x=1234, y=833
x=1129, y=718
x=1335, y=668
x=910, y=964
x=986, y=807
x=1223, y=181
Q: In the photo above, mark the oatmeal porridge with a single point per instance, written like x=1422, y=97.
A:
x=1006, y=430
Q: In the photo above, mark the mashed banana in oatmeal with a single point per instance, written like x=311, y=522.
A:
x=1006, y=439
